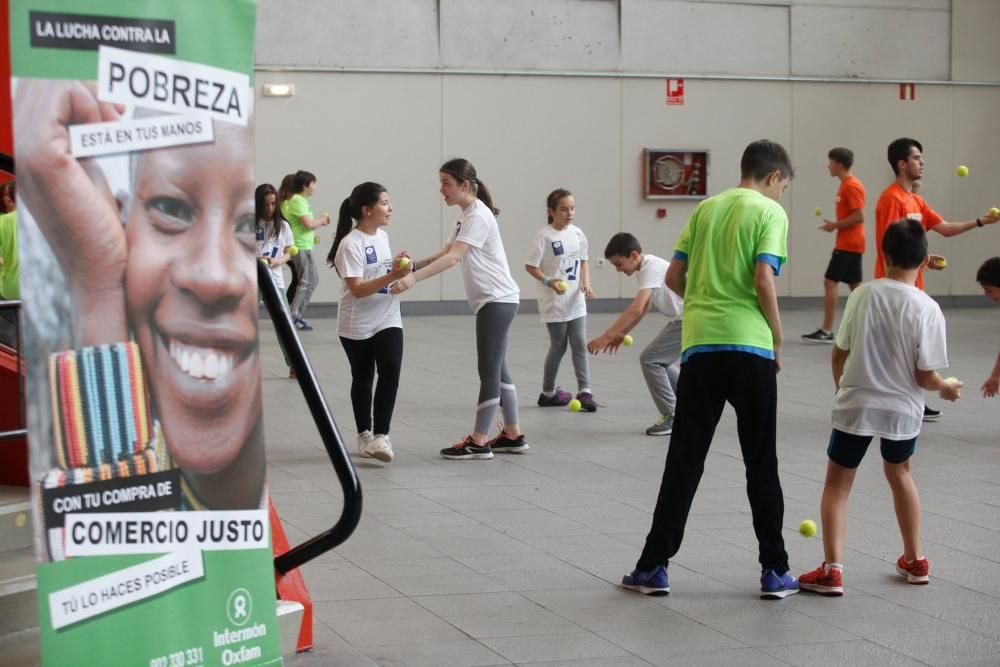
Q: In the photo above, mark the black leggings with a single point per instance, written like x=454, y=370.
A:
x=293, y=284
x=383, y=351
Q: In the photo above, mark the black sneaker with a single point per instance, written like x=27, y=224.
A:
x=559, y=398
x=819, y=336
x=504, y=445
x=930, y=414
x=587, y=402
x=467, y=449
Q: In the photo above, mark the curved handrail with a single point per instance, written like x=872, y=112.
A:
x=350, y=515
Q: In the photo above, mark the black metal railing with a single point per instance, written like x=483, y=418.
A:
x=350, y=514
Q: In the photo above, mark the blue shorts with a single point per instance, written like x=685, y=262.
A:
x=847, y=449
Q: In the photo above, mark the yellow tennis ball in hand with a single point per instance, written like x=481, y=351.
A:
x=563, y=285
x=293, y=251
x=817, y=211
x=807, y=528
x=263, y=260
x=995, y=211
x=404, y=262
x=627, y=340
x=952, y=379
x=574, y=405
x=962, y=171
x=940, y=262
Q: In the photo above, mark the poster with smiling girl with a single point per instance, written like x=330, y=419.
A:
x=134, y=143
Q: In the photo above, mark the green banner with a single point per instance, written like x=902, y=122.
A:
x=133, y=131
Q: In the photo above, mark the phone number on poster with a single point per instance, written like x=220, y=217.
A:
x=192, y=656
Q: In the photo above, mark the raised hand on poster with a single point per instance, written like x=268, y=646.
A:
x=70, y=201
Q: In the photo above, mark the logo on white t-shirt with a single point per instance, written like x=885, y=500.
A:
x=557, y=248
x=915, y=216
x=371, y=257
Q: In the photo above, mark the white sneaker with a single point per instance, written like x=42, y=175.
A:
x=380, y=448
x=364, y=439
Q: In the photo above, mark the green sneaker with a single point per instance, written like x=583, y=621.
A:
x=663, y=426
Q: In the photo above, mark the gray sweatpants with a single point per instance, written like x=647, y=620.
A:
x=660, y=368
x=308, y=280
x=575, y=333
x=495, y=383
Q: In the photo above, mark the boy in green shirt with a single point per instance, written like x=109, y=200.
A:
x=724, y=266
x=10, y=273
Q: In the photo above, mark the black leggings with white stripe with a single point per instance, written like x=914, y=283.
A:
x=496, y=386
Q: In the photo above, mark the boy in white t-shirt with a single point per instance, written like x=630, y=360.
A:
x=988, y=277
x=659, y=360
x=889, y=348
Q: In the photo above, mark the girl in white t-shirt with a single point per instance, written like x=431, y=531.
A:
x=274, y=236
x=558, y=258
x=493, y=296
x=368, y=319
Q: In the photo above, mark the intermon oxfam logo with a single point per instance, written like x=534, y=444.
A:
x=239, y=606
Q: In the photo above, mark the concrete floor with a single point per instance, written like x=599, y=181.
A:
x=517, y=560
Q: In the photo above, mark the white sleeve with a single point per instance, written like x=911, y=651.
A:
x=932, y=349
x=287, y=239
x=843, y=340
x=350, y=259
x=650, y=277
x=584, y=247
x=536, y=252
x=474, y=232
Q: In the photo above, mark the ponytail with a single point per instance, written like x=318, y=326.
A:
x=556, y=196
x=462, y=170
x=366, y=194
x=345, y=223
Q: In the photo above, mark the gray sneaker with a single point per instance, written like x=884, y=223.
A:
x=663, y=426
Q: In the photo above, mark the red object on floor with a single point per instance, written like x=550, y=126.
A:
x=291, y=586
x=13, y=453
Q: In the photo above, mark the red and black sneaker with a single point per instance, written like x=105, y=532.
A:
x=915, y=571
x=823, y=580
x=502, y=444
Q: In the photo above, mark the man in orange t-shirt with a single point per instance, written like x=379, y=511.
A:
x=845, y=263
x=899, y=201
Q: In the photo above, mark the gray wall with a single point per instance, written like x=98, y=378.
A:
x=541, y=94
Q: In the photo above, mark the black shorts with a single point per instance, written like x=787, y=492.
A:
x=844, y=267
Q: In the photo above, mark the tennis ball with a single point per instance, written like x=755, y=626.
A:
x=574, y=405
x=962, y=171
x=807, y=528
x=404, y=262
x=263, y=260
x=817, y=211
x=627, y=340
x=293, y=251
x=995, y=211
x=952, y=379
x=941, y=262
x=563, y=285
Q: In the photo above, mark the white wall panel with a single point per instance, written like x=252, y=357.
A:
x=870, y=43
x=350, y=128
x=530, y=34
x=975, y=49
x=940, y=5
x=704, y=38
x=347, y=33
x=527, y=136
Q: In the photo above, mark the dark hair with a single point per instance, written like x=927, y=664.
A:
x=763, y=157
x=989, y=273
x=842, y=156
x=366, y=194
x=259, y=194
x=462, y=170
x=554, y=198
x=285, y=190
x=905, y=244
x=8, y=189
x=900, y=150
x=302, y=180
x=622, y=244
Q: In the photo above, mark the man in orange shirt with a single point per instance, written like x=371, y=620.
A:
x=899, y=201
x=845, y=263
